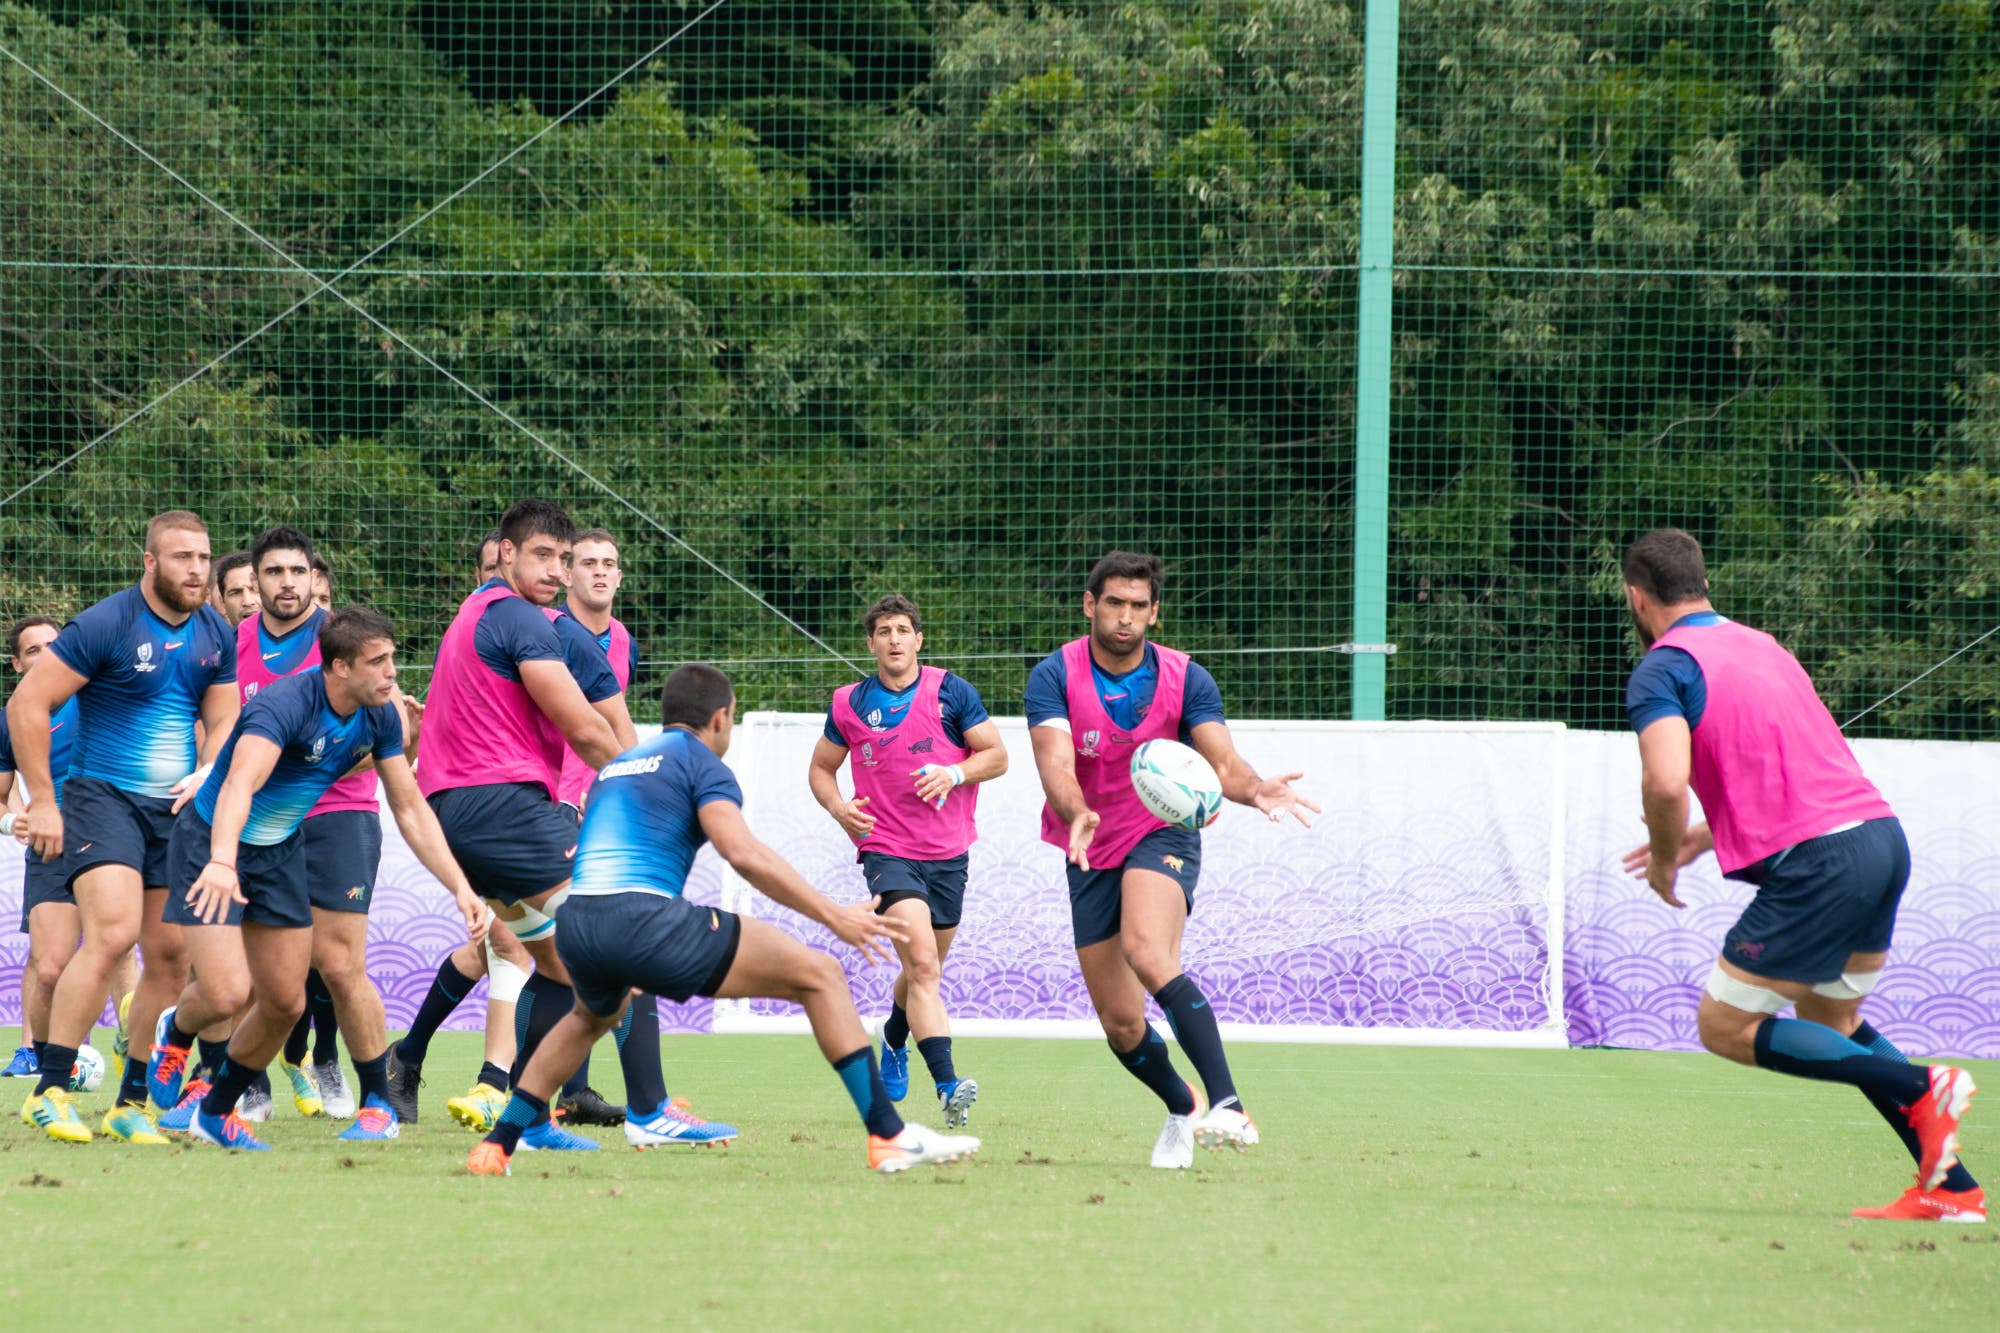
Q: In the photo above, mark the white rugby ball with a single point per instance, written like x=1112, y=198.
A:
x=1176, y=784
x=87, y=1074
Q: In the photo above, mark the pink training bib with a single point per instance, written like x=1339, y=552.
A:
x=1770, y=765
x=479, y=727
x=577, y=774
x=884, y=763
x=1104, y=754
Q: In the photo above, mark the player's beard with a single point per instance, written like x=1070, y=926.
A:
x=1111, y=646
x=1646, y=636
x=175, y=595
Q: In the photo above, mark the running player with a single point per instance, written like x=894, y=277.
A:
x=144, y=665
x=625, y=925
x=503, y=702
x=1132, y=877
x=1725, y=709
x=48, y=907
x=238, y=862
x=235, y=591
x=915, y=733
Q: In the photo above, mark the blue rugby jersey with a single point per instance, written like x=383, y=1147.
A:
x=642, y=823
x=62, y=739
x=317, y=747
x=146, y=678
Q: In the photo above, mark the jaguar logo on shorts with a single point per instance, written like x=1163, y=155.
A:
x=357, y=893
x=1751, y=949
x=1173, y=863
x=714, y=921
x=1089, y=747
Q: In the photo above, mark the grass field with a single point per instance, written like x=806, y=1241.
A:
x=1394, y=1188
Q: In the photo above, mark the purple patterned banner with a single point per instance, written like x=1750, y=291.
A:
x=1416, y=907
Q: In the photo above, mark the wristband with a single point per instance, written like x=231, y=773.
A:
x=7, y=824
x=957, y=776
x=226, y=865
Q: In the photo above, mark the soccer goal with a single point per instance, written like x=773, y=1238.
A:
x=1424, y=906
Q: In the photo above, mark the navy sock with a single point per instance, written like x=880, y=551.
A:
x=231, y=1082
x=1811, y=1050
x=56, y=1063
x=1866, y=1037
x=863, y=1080
x=937, y=1058
x=448, y=988
x=295, y=1040
x=131, y=1086
x=493, y=1076
x=896, y=1032
x=40, y=1046
x=326, y=1028
x=262, y=1082
x=209, y=1056
x=524, y=1111
x=638, y=1038
x=373, y=1077
x=542, y=1005
x=1193, y=1022
x=176, y=1037
x=1150, y=1063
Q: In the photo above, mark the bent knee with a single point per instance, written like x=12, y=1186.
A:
x=923, y=970
x=1123, y=1031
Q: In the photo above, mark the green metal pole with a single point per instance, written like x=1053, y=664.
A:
x=1371, y=389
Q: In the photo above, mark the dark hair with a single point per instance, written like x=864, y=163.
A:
x=321, y=565
x=536, y=518
x=595, y=535
x=1666, y=565
x=349, y=629
x=280, y=538
x=1125, y=565
x=692, y=694
x=22, y=626
x=229, y=564
x=172, y=520
x=895, y=604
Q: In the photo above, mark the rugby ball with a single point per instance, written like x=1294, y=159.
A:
x=87, y=1074
x=1176, y=784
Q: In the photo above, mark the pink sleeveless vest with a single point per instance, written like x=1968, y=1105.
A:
x=480, y=728
x=357, y=792
x=1104, y=754
x=883, y=764
x=577, y=775
x=1770, y=766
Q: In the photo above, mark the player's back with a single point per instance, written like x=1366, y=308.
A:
x=642, y=825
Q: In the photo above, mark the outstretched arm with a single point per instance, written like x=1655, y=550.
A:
x=1240, y=783
x=426, y=838
x=771, y=875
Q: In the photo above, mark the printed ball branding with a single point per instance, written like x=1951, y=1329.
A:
x=1176, y=784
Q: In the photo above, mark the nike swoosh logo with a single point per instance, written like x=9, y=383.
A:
x=56, y=726
x=1199, y=1004
x=568, y=854
x=171, y=646
x=1114, y=698
x=269, y=656
x=86, y=847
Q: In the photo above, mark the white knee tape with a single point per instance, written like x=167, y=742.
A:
x=532, y=924
x=504, y=977
x=1851, y=986
x=1743, y=995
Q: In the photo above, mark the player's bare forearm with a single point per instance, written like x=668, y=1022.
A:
x=988, y=759
x=422, y=832
x=774, y=877
x=619, y=718
x=232, y=812
x=1055, y=762
x=28, y=725
x=823, y=776
x=1666, y=823
x=219, y=707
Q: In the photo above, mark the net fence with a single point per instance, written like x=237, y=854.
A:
x=813, y=301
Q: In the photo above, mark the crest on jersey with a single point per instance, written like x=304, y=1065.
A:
x=868, y=753
x=318, y=750
x=249, y=691
x=145, y=662
x=874, y=718
x=1089, y=747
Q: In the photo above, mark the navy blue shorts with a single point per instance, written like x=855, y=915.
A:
x=613, y=942
x=273, y=879
x=939, y=883
x=509, y=838
x=343, y=850
x=44, y=882
x=1827, y=897
x=105, y=826
x=1096, y=897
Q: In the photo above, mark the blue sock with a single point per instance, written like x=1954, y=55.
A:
x=231, y=1082
x=638, y=1039
x=896, y=1032
x=1193, y=1021
x=1866, y=1037
x=1811, y=1050
x=448, y=987
x=524, y=1111
x=863, y=1079
x=1150, y=1063
x=937, y=1058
